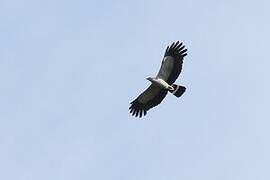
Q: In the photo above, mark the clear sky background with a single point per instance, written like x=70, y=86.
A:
x=68, y=70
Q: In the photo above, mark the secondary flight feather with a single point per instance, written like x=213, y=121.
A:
x=163, y=83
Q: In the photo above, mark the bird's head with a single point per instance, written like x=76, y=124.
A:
x=150, y=79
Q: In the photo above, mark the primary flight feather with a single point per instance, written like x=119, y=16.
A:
x=170, y=69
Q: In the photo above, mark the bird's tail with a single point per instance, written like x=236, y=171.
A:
x=178, y=90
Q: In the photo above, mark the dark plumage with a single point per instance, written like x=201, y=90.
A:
x=169, y=71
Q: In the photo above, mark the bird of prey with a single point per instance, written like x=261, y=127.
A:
x=170, y=69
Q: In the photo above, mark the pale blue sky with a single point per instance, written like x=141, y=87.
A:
x=68, y=70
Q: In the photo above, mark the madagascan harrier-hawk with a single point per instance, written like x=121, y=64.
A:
x=160, y=85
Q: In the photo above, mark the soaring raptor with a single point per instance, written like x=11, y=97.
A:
x=169, y=71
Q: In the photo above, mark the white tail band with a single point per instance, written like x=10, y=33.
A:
x=177, y=87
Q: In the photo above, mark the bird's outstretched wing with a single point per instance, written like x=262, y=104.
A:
x=150, y=98
x=172, y=62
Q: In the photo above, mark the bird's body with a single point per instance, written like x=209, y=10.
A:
x=160, y=85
